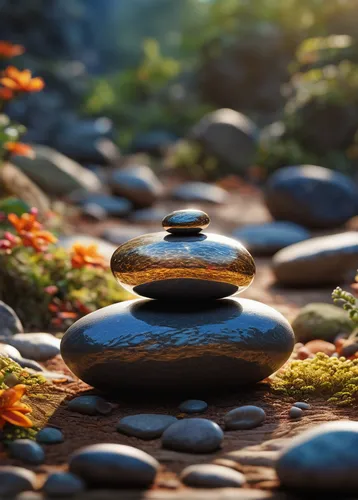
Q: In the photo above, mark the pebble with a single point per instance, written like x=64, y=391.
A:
x=49, y=435
x=193, y=406
x=90, y=405
x=27, y=450
x=36, y=346
x=9, y=322
x=244, y=417
x=268, y=238
x=322, y=458
x=112, y=205
x=63, y=484
x=147, y=215
x=315, y=346
x=200, y=192
x=349, y=348
x=321, y=321
x=325, y=260
x=29, y=363
x=145, y=426
x=295, y=412
x=137, y=183
x=187, y=221
x=9, y=351
x=114, y=465
x=302, y=405
x=310, y=195
x=193, y=435
x=121, y=234
x=211, y=476
x=14, y=480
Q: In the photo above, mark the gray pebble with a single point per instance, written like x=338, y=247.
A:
x=113, y=465
x=90, y=405
x=244, y=417
x=28, y=363
x=9, y=351
x=49, y=435
x=302, y=405
x=193, y=406
x=63, y=484
x=193, y=435
x=145, y=426
x=27, y=450
x=9, y=322
x=14, y=480
x=211, y=476
x=295, y=412
x=36, y=346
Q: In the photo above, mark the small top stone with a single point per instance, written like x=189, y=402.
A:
x=188, y=221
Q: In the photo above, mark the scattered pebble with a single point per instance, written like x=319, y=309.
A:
x=211, y=476
x=145, y=426
x=244, y=417
x=193, y=435
x=193, y=406
x=29, y=363
x=315, y=346
x=9, y=322
x=323, y=458
x=295, y=412
x=36, y=346
x=114, y=465
x=27, y=450
x=49, y=435
x=63, y=484
x=14, y=480
x=9, y=350
x=90, y=405
x=302, y=405
x=349, y=349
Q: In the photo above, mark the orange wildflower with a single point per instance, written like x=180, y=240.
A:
x=19, y=149
x=6, y=94
x=21, y=81
x=8, y=49
x=11, y=410
x=30, y=231
x=82, y=256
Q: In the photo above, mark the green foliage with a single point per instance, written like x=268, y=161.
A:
x=335, y=379
x=8, y=366
x=347, y=301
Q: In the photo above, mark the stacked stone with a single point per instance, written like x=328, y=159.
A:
x=186, y=333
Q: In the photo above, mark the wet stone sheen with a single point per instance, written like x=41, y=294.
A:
x=186, y=221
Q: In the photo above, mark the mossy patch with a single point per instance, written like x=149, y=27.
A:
x=8, y=366
x=335, y=379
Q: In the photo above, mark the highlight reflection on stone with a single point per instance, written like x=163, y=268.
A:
x=151, y=345
x=170, y=266
x=188, y=221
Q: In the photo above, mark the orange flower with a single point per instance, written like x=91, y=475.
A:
x=26, y=222
x=6, y=94
x=21, y=81
x=19, y=149
x=30, y=231
x=11, y=410
x=8, y=49
x=86, y=256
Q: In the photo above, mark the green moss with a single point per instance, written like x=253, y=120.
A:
x=11, y=433
x=335, y=379
x=7, y=366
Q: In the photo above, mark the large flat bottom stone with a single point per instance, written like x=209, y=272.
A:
x=156, y=345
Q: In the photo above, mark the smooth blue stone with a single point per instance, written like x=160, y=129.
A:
x=49, y=435
x=14, y=480
x=193, y=435
x=193, y=406
x=27, y=450
x=211, y=476
x=63, y=484
x=90, y=405
x=145, y=426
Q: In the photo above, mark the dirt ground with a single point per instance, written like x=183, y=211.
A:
x=252, y=452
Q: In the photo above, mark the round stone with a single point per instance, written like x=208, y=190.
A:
x=295, y=412
x=193, y=406
x=244, y=417
x=137, y=183
x=63, y=485
x=150, y=345
x=90, y=405
x=313, y=196
x=302, y=405
x=186, y=221
x=9, y=322
x=14, y=480
x=27, y=450
x=211, y=476
x=201, y=192
x=173, y=266
x=36, y=346
x=146, y=425
x=113, y=465
x=193, y=435
x=322, y=458
x=49, y=435
x=9, y=351
x=113, y=206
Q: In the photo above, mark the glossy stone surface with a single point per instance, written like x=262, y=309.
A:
x=27, y=450
x=244, y=417
x=137, y=183
x=211, y=476
x=193, y=406
x=49, y=435
x=186, y=221
x=150, y=345
x=63, y=485
x=14, y=480
x=145, y=425
x=113, y=465
x=170, y=266
x=90, y=405
x=193, y=435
